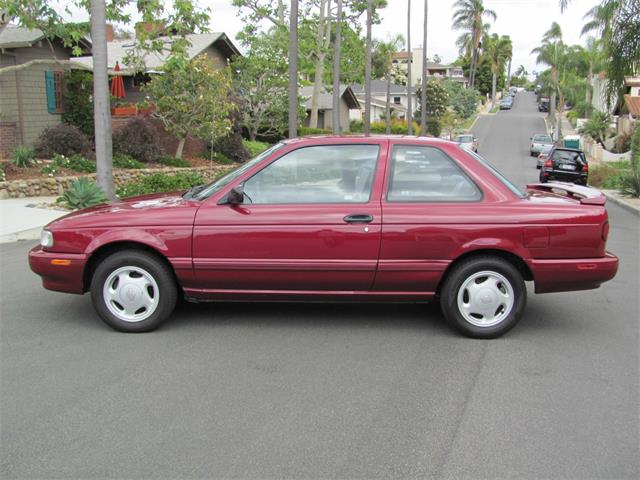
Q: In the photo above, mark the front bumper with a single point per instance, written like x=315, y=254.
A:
x=62, y=272
x=564, y=275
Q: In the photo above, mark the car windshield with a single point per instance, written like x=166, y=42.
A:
x=464, y=138
x=542, y=138
x=216, y=185
x=496, y=173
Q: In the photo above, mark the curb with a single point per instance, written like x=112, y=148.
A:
x=613, y=198
x=30, y=234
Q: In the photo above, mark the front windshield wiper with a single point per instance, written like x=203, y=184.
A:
x=193, y=191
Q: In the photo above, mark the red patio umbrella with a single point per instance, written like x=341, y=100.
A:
x=117, y=84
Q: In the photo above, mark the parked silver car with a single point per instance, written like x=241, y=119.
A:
x=540, y=143
x=468, y=141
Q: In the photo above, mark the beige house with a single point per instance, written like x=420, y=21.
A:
x=348, y=102
x=401, y=63
x=31, y=97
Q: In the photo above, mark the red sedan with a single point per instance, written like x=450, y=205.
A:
x=335, y=219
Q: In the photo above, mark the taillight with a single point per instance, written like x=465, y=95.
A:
x=548, y=164
x=605, y=231
x=585, y=168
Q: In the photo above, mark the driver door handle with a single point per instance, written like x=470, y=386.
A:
x=358, y=218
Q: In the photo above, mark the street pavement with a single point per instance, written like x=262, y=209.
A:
x=327, y=391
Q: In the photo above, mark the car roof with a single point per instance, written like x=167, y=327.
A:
x=565, y=149
x=356, y=138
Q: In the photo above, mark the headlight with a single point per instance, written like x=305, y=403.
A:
x=46, y=239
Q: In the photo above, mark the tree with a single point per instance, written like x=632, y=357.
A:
x=469, y=17
x=437, y=98
x=382, y=67
x=498, y=49
x=597, y=126
x=367, y=72
x=192, y=99
x=409, y=61
x=293, y=67
x=463, y=101
x=260, y=77
x=335, y=121
x=423, y=96
x=548, y=53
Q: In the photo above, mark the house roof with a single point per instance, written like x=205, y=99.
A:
x=117, y=51
x=325, y=99
x=632, y=81
x=378, y=102
x=13, y=36
x=633, y=104
x=379, y=87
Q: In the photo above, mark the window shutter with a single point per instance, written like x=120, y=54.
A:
x=51, y=91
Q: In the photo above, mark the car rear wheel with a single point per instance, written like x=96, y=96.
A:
x=483, y=297
x=543, y=178
x=133, y=291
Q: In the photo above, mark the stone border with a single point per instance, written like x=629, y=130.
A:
x=53, y=186
x=621, y=201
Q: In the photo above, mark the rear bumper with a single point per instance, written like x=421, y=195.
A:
x=64, y=275
x=563, y=275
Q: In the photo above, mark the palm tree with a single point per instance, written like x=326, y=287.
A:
x=548, y=53
x=335, y=113
x=469, y=17
x=367, y=73
x=388, y=48
x=593, y=56
x=423, y=96
x=409, y=61
x=521, y=71
x=601, y=18
x=498, y=49
x=293, y=70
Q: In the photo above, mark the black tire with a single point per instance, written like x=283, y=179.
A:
x=162, y=275
x=465, y=270
x=543, y=178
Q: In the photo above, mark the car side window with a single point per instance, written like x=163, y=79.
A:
x=317, y=174
x=427, y=174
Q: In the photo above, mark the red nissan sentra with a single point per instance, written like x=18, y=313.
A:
x=334, y=219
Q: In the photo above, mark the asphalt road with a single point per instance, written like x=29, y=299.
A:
x=330, y=391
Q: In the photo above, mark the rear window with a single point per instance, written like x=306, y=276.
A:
x=464, y=138
x=496, y=173
x=542, y=138
x=567, y=156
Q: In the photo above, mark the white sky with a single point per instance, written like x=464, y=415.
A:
x=523, y=20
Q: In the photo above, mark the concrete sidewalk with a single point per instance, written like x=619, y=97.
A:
x=19, y=221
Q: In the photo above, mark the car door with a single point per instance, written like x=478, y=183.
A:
x=310, y=221
x=427, y=202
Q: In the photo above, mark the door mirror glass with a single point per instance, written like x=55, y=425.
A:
x=236, y=195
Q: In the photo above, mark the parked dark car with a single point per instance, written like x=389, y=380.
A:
x=565, y=164
x=543, y=105
x=394, y=219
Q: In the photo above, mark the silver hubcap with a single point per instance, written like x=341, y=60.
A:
x=131, y=294
x=485, y=299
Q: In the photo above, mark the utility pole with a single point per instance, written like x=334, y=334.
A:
x=293, y=70
x=367, y=73
x=335, y=121
x=101, y=103
x=410, y=59
x=423, y=91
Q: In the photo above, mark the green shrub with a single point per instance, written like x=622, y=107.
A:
x=63, y=139
x=83, y=193
x=174, y=162
x=433, y=126
x=77, y=163
x=356, y=126
x=126, y=161
x=597, y=126
x=221, y=158
x=78, y=107
x=254, y=147
x=3, y=174
x=630, y=182
x=307, y=131
x=160, y=182
x=23, y=156
x=138, y=139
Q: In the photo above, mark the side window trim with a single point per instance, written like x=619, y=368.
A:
x=380, y=151
x=391, y=163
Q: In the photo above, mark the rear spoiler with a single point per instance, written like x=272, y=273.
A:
x=586, y=195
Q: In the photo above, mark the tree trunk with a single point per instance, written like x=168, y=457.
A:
x=559, y=122
x=367, y=72
x=494, y=82
x=589, y=89
x=319, y=70
x=509, y=75
x=293, y=70
x=472, y=68
x=180, y=147
x=101, y=106
x=423, y=96
x=409, y=61
x=552, y=97
x=387, y=113
x=336, y=73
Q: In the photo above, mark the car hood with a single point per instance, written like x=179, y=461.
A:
x=161, y=209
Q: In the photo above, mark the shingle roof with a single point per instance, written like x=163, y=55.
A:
x=379, y=87
x=117, y=51
x=633, y=104
x=19, y=37
x=325, y=99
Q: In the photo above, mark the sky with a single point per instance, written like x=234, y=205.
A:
x=524, y=21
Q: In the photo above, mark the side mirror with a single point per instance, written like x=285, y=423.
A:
x=236, y=195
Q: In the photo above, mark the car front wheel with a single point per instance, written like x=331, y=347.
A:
x=133, y=291
x=483, y=297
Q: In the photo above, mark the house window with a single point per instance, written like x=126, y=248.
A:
x=53, y=85
x=396, y=100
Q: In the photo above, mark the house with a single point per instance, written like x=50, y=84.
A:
x=348, y=102
x=216, y=45
x=378, y=109
x=30, y=97
x=398, y=93
x=434, y=69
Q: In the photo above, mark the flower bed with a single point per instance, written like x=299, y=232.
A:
x=54, y=186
